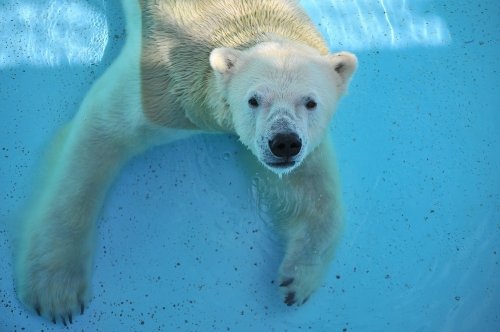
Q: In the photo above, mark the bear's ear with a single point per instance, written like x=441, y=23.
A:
x=223, y=59
x=344, y=64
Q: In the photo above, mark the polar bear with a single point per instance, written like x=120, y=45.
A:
x=255, y=68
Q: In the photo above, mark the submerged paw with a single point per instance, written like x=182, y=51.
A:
x=298, y=281
x=56, y=291
x=294, y=293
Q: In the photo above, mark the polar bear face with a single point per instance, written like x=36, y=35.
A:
x=281, y=97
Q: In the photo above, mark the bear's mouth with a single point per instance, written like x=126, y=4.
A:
x=282, y=164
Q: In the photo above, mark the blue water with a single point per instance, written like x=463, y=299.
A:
x=181, y=245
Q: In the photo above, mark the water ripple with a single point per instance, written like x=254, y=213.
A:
x=50, y=33
x=369, y=24
x=55, y=32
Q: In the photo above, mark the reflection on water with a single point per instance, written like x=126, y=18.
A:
x=49, y=33
x=54, y=32
x=368, y=24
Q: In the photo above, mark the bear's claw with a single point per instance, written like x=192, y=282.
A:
x=287, y=282
x=64, y=318
x=290, y=299
x=68, y=318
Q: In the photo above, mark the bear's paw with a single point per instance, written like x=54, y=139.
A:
x=54, y=284
x=298, y=280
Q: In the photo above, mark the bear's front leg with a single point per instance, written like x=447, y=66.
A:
x=53, y=263
x=306, y=207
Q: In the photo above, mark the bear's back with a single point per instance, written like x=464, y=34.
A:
x=178, y=36
x=231, y=23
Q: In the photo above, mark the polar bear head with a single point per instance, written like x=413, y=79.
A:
x=281, y=97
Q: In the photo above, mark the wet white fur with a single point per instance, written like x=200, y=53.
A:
x=53, y=266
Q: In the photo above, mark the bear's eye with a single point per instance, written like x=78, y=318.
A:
x=311, y=104
x=253, y=102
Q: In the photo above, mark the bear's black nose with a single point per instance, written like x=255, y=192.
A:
x=285, y=145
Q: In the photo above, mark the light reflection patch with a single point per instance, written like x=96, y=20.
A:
x=55, y=32
x=374, y=24
x=51, y=33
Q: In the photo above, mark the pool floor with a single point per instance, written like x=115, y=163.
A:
x=181, y=245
